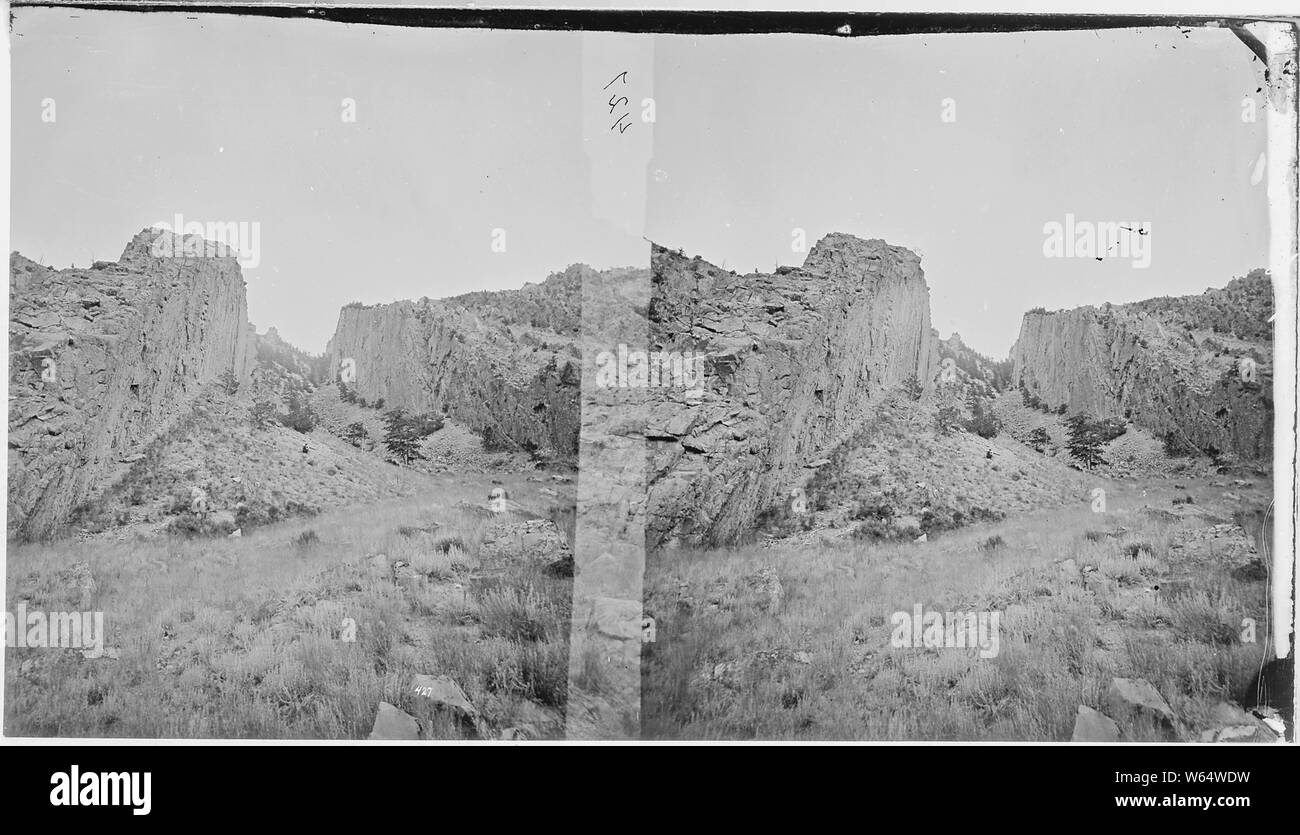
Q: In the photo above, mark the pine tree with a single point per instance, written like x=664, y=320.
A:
x=1086, y=439
x=355, y=433
x=401, y=436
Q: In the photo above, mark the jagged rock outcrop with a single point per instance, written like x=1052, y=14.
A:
x=102, y=359
x=985, y=375
x=793, y=360
x=506, y=364
x=1196, y=370
x=282, y=371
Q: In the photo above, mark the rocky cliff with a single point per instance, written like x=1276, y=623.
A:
x=506, y=364
x=985, y=374
x=1195, y=370
x=101, y=359
x=793, y=360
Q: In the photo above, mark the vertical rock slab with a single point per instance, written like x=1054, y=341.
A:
x=503, y=363
x=792, y=362
x=102, y=359
x=1197, y=368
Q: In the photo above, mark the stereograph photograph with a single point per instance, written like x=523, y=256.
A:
x=423, y=378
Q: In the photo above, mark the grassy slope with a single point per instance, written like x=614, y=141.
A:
x=243, y=637
x=1061, y=642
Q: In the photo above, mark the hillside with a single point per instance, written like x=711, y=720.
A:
x=135, y=383
x=504, y=364
x=1197, y=370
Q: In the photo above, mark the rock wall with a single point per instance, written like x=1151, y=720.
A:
x=793, y=361
x=1191, y=367
x=506, y=364
x=101, y=359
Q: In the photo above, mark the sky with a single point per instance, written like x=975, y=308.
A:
x=223, y=119
x=961, y=147
x=847, y=135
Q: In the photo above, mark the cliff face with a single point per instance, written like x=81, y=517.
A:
x=1197, y=369
x=100, y=360
x=793, y=360
x=506, y=364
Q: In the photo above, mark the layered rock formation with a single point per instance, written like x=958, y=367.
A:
x=101, y=359
x=1197, y=369
x=506, y=364
x=793, y=360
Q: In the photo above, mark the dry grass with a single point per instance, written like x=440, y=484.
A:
x=821, y=666
x=247, y=638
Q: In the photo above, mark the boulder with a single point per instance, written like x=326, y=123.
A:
x=533, y=539
x=1230, y=723
x=393, y=723
x=222, y=521
x=444, y=694
x=1093, y=726
x=1134, y=699
x=1226, y=545
x=520, y=733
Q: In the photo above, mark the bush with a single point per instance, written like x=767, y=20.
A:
x=516, y=614
x=946, y=418
x=495, y=440
x=443, y=546
x=874, y=511
x=873, y=529
x=195, y=524
x=982, y=422
x=1177, y=446
x=1111, y=428
x=253, y=513
x=912, y=387
x=1039, y=439
x=355, y=433
x=263, y=415
x=300, y=417
x=229, y=382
